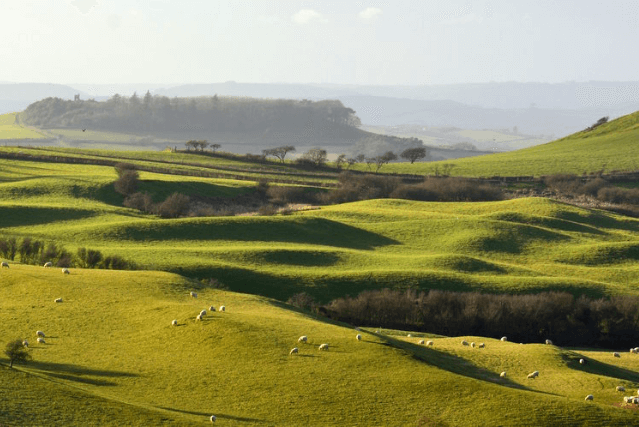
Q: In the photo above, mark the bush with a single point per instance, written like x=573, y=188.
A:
x=267, y=210
x=282, y=195
x=127, y=183
x=89, y=258
x=174, y=206
x=303, y=301
x=140, y=201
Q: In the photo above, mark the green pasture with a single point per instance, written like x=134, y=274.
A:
x=112, y=357
x=9, y=129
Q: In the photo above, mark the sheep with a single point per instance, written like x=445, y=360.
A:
x=58, y=300
x=65, y=271
x=409, y=336
x=589, y=397
x=628, y=399
x=211, y=309
x=620, y=388
x=213, y=418
x=323, y=346
x=533, y=374
x=303, y=338
x=420, y=342
x=632, y=350
x=464, y=342
x=503, y=374
x=295, y=350
x=636, y=349
x=472, y=344
x=4, y=264
x=359, y=337
x=222, y=308
x=41, y=341
x=482, y=345
x=203, y=313
x=193, y=294
x=548, y=342
x=504, y=339
x=25, y=343
x=40, y=334
x=429, y=343
x=48, y=264
x=615, y=354
x=199, y=317
x=582, y=361
x=174, y=322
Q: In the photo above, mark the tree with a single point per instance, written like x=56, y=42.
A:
x=215, y=147
x=202, y=144
x=413, y=154
x=383, y=159
x=316, y=156
x=279, y=152
x=192, y=144
x=128, y=182
x=16, y=352
x=341, y=159
x=175, y=205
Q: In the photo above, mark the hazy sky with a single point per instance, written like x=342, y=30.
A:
x=406, y=42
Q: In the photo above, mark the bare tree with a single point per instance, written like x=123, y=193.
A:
x=383, y=159
x=414, y=153
x=278, y=152
x=316, y=156
x=16, y=352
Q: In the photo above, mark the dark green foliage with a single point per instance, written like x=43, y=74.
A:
x=30, y=250
x=8, y=248
x=598, y=123
x=413, y=154
x=16, y=352
x=115, y=262
x=559, y=316
x=89, y=258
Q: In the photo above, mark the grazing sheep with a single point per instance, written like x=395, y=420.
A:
x=359, y=337
x=193, y=294
x=25, y=343
x=420, y=342
x=48, y=264
x=65, y=271
x=303, y=338
x=628, y=399
x=548, y=342
x=222, y=308
x=40, y=334
x=504, y=339
x=4, y=264
x=409, y=336
x=294, y=351
x=472, y=344
x=589, y=397
x=203, y=313
x=464, y=342
x=636, y=349
x=213, y=418
x=582, y=361
x=533, y=374
x=503, y=374
x=323, y=346
x=174, y=322
x=199, y=317
x=482, y=345
x=58, y=300
x=429, y=343
x=615, y=354
x=211, y=309
x=41, y=340
x=620, y=388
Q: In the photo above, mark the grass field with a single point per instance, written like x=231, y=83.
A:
x=112, y=358
x=9, y=129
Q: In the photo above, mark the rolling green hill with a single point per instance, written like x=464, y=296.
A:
x=112, y=357
x=9, y=129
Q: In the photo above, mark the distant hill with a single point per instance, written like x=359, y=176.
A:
x=17, y=96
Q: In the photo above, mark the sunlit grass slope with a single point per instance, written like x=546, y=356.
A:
x=112, y=339
x=612, y=146
x=9, y=129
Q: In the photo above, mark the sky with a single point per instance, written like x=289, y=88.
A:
x=394, y=42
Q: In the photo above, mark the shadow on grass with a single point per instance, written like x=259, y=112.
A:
x=77, y=373
x=221, y=416
x=571, y=358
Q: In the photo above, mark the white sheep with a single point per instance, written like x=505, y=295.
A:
x=211, y=309
x=4, y=264
x=409, y=336
x=620, y=388
x=193, y=294
x=48, y=264
x=472, y=344
x=482, y=345
x=636, y=349
x=503, y=374
x=429, y=343
x=633, y=350
x=40, y=334
x=199, y=317
x=615, y=354
x=222, y=308
x=589, y=397
x=41, y=340
x=464, y=342
x=295, y=350
x=25, y=343
x=174, y=322
x=420, y=342
x=582, y=361
x=58, y=300
x=213, y=418
x=359, y=337
x=303, y=338
x=323, y=346
x=504, y=339
x=629, y=399
x=203, y=313
x=65, y=271
x=548, y=342
x=533, y=374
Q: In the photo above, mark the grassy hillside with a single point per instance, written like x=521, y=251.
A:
x=112, y=357
x=612, y=146
x=9, y=129
x=518, y=245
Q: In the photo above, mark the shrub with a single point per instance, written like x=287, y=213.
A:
x=174, y=206
x=127, y=183
x=140, y=201
x=281, y=195
x=89, y=258
x=267, y=210
x=303, y=301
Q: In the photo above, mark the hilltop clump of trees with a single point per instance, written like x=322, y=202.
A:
x=206, y=114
